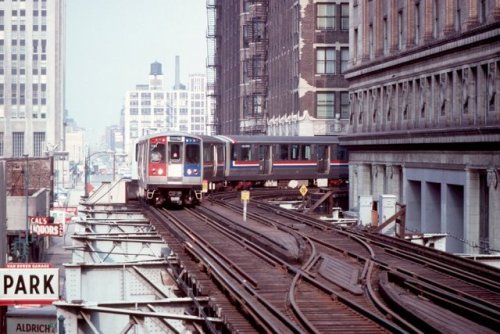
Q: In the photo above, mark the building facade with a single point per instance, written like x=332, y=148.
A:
x=425, y=114
x=151, y=108
x=31, y=77
x=278, y=66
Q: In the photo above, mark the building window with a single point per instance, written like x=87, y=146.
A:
x=435, y=21
x=325, y=61
x=458, y=16
x=17, y=144
x=38, y=143
x=325, y=105
x=371, y=41
x=482, y=11
x=344, y=105
x=400, y=30
x=325, y=17
x=385, y=36
x=417, y=23
x=344, y=59
x=257, y=104
x=344, y=19
x=356, y=45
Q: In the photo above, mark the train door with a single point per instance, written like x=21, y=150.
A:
x=323, y=154
x=219, y=152
x=175, y=150
x=265, y=161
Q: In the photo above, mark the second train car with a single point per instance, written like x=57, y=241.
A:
x=241, y=161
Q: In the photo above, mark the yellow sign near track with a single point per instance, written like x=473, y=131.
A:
x=245, y=195
x=303, y=190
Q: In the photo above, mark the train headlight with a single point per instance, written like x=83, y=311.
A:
x=160, y=171
x=195, y=172
x=189, y=171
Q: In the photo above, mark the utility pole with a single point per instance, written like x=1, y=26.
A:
x=27, y=193
x=3, y=237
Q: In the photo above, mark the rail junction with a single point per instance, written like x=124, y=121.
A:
x=204, y=269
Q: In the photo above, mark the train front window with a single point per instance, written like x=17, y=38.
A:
x=192, y=154
x=157, y=153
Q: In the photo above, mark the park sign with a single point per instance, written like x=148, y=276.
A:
x=29, y=283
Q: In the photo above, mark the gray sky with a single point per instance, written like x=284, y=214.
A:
x=110, y=45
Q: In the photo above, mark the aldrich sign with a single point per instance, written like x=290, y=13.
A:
x=33, y=325
x=34, y=283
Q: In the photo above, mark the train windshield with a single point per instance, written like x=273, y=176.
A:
x=157, y=153
x=192, y=153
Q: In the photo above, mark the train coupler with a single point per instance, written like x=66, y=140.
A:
x=198, y=194
x=150, y=194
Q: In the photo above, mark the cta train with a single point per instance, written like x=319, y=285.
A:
x=177, y=167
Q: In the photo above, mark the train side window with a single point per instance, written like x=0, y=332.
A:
x=262, y=153
x=322, y=152
x=208, y=153
x=295, y=152
x=284, y=152
x=193, y=154
x=306, y=152
x=220, y=153
x=157, y=153
x=246, y=152
x=175, y=152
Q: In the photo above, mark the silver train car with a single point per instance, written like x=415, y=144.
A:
x=178, y=167
x=169, y=168
x=251, y=160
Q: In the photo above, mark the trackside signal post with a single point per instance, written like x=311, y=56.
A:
x=245, y=197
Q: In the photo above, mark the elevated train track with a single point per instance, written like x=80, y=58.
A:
x=283, y=272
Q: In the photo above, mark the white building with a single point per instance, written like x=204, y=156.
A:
x=152, y=108
x=31, y=77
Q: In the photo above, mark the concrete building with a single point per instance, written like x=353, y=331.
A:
x=31, y=77
x=425, y=114
x=278, y=66
x=152, y=108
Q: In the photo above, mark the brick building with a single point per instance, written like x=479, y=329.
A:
x=278, y=66
x=425, y=114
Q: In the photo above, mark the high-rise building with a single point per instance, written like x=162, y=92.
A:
x=31, y=77
x=277, y=66
x=425, y=115
x=151, y=108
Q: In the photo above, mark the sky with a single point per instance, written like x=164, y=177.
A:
x=110, y=45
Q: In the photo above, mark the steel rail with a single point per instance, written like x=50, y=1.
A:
x=250, y=306
x=346, y=301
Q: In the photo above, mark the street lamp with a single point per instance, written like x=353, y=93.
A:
x=87, y=167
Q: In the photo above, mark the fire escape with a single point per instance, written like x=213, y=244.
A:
x=213, y=67
x=253, y=55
